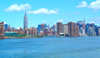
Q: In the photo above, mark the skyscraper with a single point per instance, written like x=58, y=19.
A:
x=91, y=31
x=83, y=25
x=49, y=27
x=2, y=30
x=25, y=21
x=97, y=31
x=73, y=29
x=59, y=28
x=84, y=21
x=42, y=26
x=65, y=29
x=39, y=27
x=6, y=26
x=9, y=28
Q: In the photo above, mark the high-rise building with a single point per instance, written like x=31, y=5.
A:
x=84, y=21
x=6, y=26
x=2, y=30
x=92, y=25
x=81, y=24
x=73, y=29
x=81, y=32
x=45, y=26
x=39, y=27
x=9, y=28
x=86, y=27
x=42, y=26
x=97, y=31
x=45, y=30
x=91, y=31
x=49, y=27
x=12, y=28
x=59, y=28
x=65, y=29
x=25, y=21
x=54, y=27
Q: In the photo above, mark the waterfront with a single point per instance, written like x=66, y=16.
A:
x=51, y=47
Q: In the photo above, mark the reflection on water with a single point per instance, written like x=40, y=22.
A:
x=51, y=47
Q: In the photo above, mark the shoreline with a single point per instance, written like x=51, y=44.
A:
x=37, y=37
x=21, y=38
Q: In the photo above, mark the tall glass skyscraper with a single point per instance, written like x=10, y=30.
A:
x=25, y=21
x=6, y=26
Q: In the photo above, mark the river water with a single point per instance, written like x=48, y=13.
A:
x=51, y=47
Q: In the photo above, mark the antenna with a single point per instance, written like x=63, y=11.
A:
x=25, y=12
x=84, y=20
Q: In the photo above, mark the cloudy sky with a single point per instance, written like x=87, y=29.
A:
x=49, y=11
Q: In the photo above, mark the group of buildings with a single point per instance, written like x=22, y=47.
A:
x=68, y=30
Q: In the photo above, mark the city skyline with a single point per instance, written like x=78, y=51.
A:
x=44, y=12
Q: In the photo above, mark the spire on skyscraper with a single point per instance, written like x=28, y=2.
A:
x=84, y=20
x=25, y=13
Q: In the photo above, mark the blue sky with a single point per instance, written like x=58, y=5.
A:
x=49, y=11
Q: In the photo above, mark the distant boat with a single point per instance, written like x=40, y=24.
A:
x=59, y=36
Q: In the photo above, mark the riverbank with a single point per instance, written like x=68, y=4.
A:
x=19, y=37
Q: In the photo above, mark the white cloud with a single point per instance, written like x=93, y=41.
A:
x=82, y=4
x=95, y=20
x=61, y=20
x=5, y=22
x=91, y=22
x=77, y=13
x=94, y=11
x=16, y=7
x=29, y=21
x=45, y=21
x=43, y=11
x=95, y=5
x=18, y=27
x=73, y=13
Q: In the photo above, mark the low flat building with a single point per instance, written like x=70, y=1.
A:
x=61, y=34
x=10, y=34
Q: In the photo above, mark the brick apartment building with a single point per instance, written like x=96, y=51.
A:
x=73, y=29
x=59, y=28
x=2, y=30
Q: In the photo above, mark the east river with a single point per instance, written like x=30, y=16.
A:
x=51, y=47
